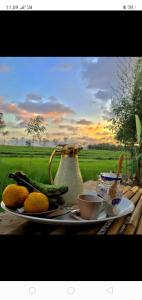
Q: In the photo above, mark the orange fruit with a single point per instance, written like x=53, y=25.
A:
x=14, y=195
x=36, y=202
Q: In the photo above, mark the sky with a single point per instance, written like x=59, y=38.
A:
x=72, y=94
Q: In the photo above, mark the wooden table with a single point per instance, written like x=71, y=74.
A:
x=131, y=224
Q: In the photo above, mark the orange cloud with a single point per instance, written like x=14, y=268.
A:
x=88, y=131
x=99, y=132
x=26, y=110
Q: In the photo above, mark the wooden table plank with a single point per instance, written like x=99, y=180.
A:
x=134, y=220
x=126, y=188
x=116, y=226
x=135, y=189
x=139, y=228
x=105, y=228
x=10, y=223
x=58, y=231
x=136, y=196
x=129, y=194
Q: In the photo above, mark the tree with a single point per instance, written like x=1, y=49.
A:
x=124, y=101
x=126, y=104
x=36, y=128
x=2, y=122
x=28, y=143
x=15, y=141
x=65, y=139
x=55, y=142
x=138, y=149
x=45, y=142
x=4, y=135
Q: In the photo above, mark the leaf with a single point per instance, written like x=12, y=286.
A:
x=138, y=128
x=139, y=156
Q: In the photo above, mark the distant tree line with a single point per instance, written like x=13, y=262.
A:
x=104, y=146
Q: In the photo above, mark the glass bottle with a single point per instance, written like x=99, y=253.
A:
x=104, y=183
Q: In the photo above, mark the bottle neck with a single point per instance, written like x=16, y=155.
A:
x=69, y=155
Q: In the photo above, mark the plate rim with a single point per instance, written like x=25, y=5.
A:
x=55, y=221
x=76, y=217
x=36, y=214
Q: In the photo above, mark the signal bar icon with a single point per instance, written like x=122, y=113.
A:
x=23, y=7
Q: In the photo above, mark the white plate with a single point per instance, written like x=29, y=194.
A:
x=100, y=217
x=125, y=208
x=21, y=211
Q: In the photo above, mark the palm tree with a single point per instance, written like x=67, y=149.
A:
x=2, y=122
x=4, y=135
x=14, y=141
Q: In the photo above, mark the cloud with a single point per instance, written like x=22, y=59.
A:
x=87, y=139
x=84, y=122
x=52, y=98
x=62, y=67
x=106, y=140
x=4, y=68
x=16, y=125
x=97, y=133
x=69, y=128
x=33, y=96
x=91, y=59
x=28, y=109
x=100, y=75
x=72, y=121
x=104, y=133
x=96, y=140
x=103, y=95
x=107, y=114
x=22, y=124
x=56, y=120
x=8, y=107
x=1, y=100
x=45, y=107
x=58, y=133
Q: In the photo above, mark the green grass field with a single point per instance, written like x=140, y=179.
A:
x=34, y=162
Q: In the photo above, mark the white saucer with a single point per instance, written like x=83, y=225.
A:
x=76, y=214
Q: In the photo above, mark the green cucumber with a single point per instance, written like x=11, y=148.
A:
x=49, y=190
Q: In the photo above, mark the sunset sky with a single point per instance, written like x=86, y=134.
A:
x=73, y=94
